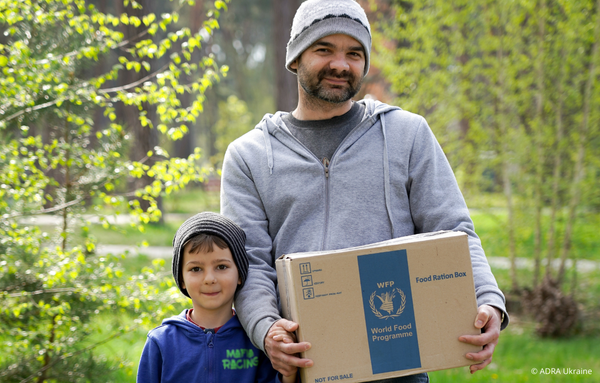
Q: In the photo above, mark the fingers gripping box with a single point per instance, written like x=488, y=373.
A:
x=388, y=309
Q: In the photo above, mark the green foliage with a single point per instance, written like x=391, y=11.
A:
x=471, y=67
x=244, y=42
x=234, y=121
x=56, y=160
x=51, y=40
x=511, y=90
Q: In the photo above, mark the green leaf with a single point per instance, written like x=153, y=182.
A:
x=46, y=54
x=220, y=5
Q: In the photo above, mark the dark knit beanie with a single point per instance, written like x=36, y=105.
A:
x=213, y=224
x=316, y=19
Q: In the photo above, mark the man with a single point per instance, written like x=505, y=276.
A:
x=335, y=173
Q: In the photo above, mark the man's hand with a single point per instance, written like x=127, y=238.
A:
x=281, y=347
x=489, y=319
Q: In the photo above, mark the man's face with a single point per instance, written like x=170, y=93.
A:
x=331, y=69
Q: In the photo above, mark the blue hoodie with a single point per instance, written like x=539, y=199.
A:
x=388, y=178
x=179, y=351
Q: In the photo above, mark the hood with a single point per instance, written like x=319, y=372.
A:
x=373, y=108
x=181, y=322
x=272, y=124
x=273, y=127
x=190, y=329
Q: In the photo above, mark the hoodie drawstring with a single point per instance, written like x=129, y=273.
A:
x=269, y=147
x=386, y=176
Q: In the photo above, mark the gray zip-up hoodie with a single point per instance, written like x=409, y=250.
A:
x=388, y=178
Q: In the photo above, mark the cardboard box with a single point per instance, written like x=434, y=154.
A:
x=388, y=309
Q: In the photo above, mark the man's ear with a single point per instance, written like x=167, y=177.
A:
x=294, y=65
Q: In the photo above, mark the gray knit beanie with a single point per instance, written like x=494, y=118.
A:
x=316, y=19
x=213, y=224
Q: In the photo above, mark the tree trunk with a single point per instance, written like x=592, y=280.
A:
x=47, y=358
x=557, y=164
x=502, y=116
x=539, y=131
x=507, y=185
x=183, y=147
x=144, y=138
x=65, y=212
x=286, y=91
x=581, y=148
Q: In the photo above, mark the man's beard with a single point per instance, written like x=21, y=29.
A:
x=314, y=87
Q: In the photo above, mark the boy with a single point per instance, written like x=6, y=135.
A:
x=207, y=342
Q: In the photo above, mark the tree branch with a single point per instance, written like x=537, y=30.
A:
x=40, y=292
x=133, y=84
x=45, y=211
x=32, y=109
x=74, y=53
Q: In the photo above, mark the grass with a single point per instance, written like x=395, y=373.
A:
x=192, y=201
x=154, y=235
x=520, y=351
x=585, y=287
x=491, y=226
x=178, y=205
x=489, y=223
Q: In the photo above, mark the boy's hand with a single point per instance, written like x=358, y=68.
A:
x=489, y=318
x=281, y=348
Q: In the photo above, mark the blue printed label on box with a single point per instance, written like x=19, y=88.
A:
x=389, y=312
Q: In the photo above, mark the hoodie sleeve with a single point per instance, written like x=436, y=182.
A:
x=256, y=303
x=150, y=367
x=437, y=203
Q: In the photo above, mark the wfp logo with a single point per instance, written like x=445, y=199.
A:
x=388, y=301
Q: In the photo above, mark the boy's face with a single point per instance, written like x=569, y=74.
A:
x=211, y=280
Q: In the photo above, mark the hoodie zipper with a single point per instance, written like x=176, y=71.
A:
x=326, y=163
x=211, y=355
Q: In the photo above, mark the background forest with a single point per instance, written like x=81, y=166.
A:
x=115, y=115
